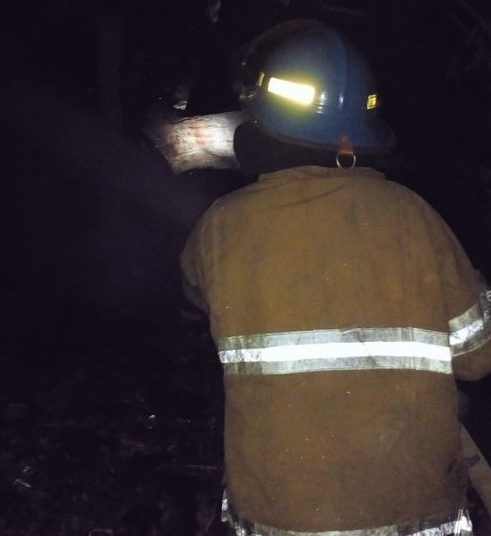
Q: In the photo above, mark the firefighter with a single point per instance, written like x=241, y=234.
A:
x=343, y=309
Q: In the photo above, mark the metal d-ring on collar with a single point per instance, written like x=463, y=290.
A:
x=346, y=149
x=353, y=162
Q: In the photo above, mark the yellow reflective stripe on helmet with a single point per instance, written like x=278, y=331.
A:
x=323, y=350
x=294, y=91
x=371, y=101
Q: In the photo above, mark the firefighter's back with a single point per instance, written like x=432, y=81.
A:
x=325, y=288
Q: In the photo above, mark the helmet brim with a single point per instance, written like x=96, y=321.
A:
x=371, y=135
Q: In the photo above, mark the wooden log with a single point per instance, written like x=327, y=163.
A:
x=202, y=141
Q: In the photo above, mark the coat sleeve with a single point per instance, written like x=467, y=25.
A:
x=470, y=337
x=468, y=305
x=195, y=261
x=192, y=267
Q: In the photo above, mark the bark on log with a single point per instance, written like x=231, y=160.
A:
x=204, y=141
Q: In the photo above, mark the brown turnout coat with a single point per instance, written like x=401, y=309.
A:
x=343, y=307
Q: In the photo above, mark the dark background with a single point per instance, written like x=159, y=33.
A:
x=110, y=391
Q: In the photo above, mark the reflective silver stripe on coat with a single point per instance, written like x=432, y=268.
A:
x=472, y=329
x=454, y=524
x=336, y=349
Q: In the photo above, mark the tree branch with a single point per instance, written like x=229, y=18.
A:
x=477, y=16
x=342, y=10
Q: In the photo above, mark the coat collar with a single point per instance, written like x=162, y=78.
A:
x=318, y=172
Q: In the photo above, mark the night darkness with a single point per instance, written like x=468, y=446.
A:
x=111, y=396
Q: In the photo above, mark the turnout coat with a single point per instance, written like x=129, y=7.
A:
x=343, y=308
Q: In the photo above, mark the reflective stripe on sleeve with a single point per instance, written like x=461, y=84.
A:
x=455, y=524
x=334, y=349
x=472, y=329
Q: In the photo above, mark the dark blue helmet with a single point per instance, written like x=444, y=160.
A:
x=314, y=89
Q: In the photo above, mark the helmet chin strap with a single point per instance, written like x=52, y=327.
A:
x=345, y=149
